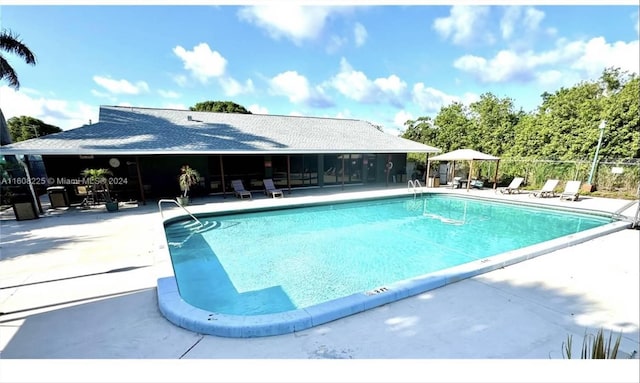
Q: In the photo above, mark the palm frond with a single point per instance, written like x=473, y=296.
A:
x=10, y=42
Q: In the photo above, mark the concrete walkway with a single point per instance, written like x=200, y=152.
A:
x=80, y=284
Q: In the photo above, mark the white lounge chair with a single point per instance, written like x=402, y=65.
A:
x=239, y=190
x=571, y=190
x=271, y=190
x=547, y=190
x=514, y=186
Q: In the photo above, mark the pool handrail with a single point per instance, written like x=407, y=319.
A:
x=177, y=204
x=414, y=184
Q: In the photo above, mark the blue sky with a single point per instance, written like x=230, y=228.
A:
x=384, y=64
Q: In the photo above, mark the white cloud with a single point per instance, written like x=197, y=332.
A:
x=359, y=34
x=168, y=94
x=509, y=20
x=202, y=62
x=233, y=88
x=292, y=85
x=464, y=24
x=177, y=106
x=550, y=77
x=532, y=18
x=353, y=84
x=505, y=66
x=109, y=96
x=344, y=114
x=181, y=80
x=430, y=99
x=356, y=86
x=257, y=109
x=637, y=23
x=469, y=98
x=587, y=59
x=297, y=89
x=295, y=22
x=521, y=19
x=597, y=54
x=335, y=43
x=401, y=117
x=392, y=85
x=61, y=113
x=121, y=86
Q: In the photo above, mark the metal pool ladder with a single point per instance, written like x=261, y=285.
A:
x=414, y=184
x=177, y=204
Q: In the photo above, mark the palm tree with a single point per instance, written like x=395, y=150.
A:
x=11, y=43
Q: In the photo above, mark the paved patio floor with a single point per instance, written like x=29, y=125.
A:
x=80, y=284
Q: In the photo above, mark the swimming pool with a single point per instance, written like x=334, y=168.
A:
x=277, y=271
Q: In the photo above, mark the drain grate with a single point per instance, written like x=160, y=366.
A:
x=379, y=290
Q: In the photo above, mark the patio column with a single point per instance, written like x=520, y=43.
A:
x=140, y=183
x=289, y=172
x=224, y=189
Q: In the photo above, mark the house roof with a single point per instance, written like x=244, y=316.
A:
x=464, y=154
x=138, y=131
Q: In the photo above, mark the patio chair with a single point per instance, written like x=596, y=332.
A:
x=476, y=183
x=271, y=190
x=239, y=190
x=514, y=186
x=571, y=190
x=547, y=190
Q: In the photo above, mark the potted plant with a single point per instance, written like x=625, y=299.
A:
x=188, y=177
x=97, y=179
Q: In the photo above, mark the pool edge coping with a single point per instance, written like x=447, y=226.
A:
x=192, y=318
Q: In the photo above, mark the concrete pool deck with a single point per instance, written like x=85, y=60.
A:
x=81, y=284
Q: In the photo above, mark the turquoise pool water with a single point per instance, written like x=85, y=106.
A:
x=280, y=260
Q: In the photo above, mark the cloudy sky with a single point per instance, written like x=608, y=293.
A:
x=381, y=63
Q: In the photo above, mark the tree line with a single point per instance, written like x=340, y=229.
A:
x=564, y=127
x=556, y=140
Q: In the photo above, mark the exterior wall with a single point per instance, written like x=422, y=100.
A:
x=159, y=173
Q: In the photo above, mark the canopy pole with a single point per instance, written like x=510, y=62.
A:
x=426, y=174
x=469, y=176
x=495, y=177
x=452, y=172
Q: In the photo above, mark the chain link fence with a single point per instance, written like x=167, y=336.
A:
x=610, y=175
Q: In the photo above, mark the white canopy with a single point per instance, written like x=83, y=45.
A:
x=466, y=155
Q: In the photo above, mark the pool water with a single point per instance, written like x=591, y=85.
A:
x=275, y=261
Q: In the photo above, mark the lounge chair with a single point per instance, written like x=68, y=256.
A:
x=476, y=183
x=270, y=189
x=239, y=189
x=547, y=190
x=514, y=186
x=571, y=190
